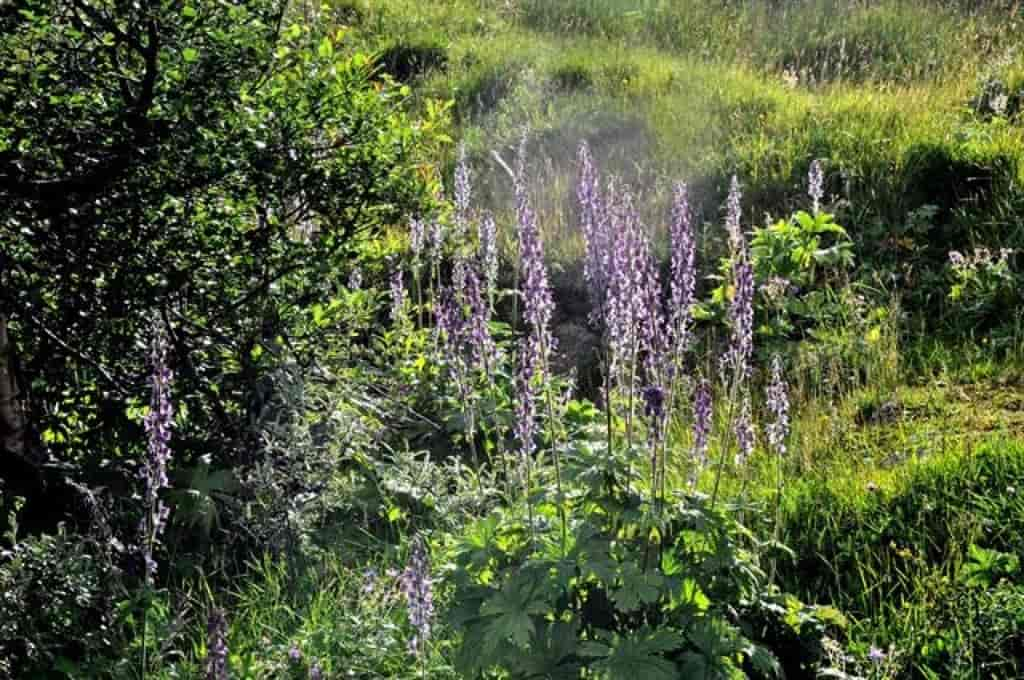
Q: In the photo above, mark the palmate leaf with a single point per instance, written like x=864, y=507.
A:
x=549, y=658
x=638, y=588
x=639, y=656
x=511, y=611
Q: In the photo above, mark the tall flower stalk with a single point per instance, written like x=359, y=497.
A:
x=216, y=645
x=158, y=424
x=777, y=404
x=538, y=308
x=736, y=365
x=418, y=588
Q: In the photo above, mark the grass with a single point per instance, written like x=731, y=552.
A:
x=699, y=91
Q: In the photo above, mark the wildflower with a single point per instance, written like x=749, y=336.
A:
x=594, y=224
x=743, y=428
x=315, y=672
x=355, y=279
x=538, y=304
x=416, y=236
x=417, y=587
x=816, y=185
x=481, y=343
x=526, y=407
x=701, y=427
x=632, y=305
x=741, y=316
x=158, y=423
x=463, y=195
x=437, y=238
x=733, y=214
x=876, y=655
x=370, y=577
x=294, y=654
x=683, y=270
x=216, y=645
x=778, y=405
x=654, y=402
x=397, y=298
x=488, y=235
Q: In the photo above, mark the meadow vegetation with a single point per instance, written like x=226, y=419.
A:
x=620, y=339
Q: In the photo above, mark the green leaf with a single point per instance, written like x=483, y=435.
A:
x=189, y=54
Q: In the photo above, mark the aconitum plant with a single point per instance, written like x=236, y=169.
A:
x=397, y=298
x=741, y=317
x=702, y=411
x=595, y=227
x=777, y=401
x=526, y=400
x=417, y=235
x=216, y=645
x=463, y=196
x=487, y=233
x=683, y=285
x=816, y=185
x=733, y=215
x=418, y=588
x=743, y=429
x=158, y=424
x=538, y=303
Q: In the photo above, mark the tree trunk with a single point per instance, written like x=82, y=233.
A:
x=12, y=418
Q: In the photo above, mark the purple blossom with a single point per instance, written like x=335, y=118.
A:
x=294, y=654
x=216, y=645
x=701, y=427
x=683, y=271
x=158, y=424
x=463, y=195
x=488, y=237
x=481, y=343
x=397, y=297
x=632, y=305
x=816, y=185
x=594, y=225
x=741, y=318
x=654, y=402
x=876, y=655
x=733, y=215
x=743, y=428
x=418, y=589
x=437, y=238
x=777, y=399
x=538, y=303
x=417, y=234
x=526, y=399
x=315, y=672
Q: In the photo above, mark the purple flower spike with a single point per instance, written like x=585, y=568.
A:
x=294, y=654
x=315, y=672
x=777, y=398
x=733, y=215
x=538, y=303
x=488, y=236
x=594, y=224
x=701, y=428
x=397, y=298
x=418, y=589
x=463, y=195
x=216, y=646
x=741, y=317
x=816, y=185
x=684, y=272
x=526, y=401
x=417, y=234
x=158, y=424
